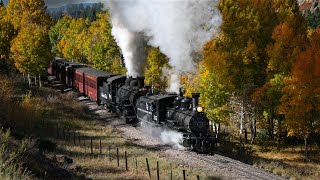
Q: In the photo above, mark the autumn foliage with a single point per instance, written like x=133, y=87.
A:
x=261, y=73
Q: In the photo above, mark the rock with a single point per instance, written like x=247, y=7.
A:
x=68, y=160
x=62, y=159
x=40, y=165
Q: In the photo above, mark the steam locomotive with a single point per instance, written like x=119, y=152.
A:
x=180, y=114
x=133, y=102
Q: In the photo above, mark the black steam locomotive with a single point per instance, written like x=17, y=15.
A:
x=180, y=114
x=133, y=102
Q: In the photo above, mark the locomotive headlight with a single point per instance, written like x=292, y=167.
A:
x=199, y=109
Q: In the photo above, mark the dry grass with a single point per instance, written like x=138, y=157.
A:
x=98, y=166
x=63, y=113
x=289, y=162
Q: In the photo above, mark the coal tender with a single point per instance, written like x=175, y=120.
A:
x=127, y=96
x=181, y=114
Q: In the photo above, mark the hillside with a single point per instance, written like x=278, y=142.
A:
x=82, y=10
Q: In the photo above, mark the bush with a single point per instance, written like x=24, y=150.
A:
x=9, y=158
x=6, y=92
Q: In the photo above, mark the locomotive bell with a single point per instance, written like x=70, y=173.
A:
x=195, y=101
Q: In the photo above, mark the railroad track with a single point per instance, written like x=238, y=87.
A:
x=244, y=170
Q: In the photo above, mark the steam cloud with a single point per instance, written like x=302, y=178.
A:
x=179, y=28
x=166, y=136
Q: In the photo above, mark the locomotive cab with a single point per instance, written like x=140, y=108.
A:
x=153, y=108
x=109, y=90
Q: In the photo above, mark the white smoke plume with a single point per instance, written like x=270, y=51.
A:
x=173, y=78
x=167, y=136
x=178, y=27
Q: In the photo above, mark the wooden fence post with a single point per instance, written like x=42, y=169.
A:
x=58, y=134
x=184, y=174
x=74, y=137
x=79, y=136
x=148, y=168
x=170, y=171
x=100, y=147
x=158, y=173
x=91, y=145
x=136, y=165
x=84, y=145
x=67, y=135
x=109, y=153
x=126, y=160
x=118, y=156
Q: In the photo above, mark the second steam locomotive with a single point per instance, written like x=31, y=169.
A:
x=133, y=102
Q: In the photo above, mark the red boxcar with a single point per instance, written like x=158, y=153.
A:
x=55, y=67
x=70, y=68
x=87, y=81
x=79, y=79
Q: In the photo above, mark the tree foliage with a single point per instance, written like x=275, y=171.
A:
x=156, y=61
x=71, y=45
x=313, y=19
x=6, y=33
x=57, y=32
x=23, y=12
x=35, y=58
x=300, y=103
x=289, y=38
x=100, y=47
x=87, y=42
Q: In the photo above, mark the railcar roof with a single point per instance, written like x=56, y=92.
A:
x=94, y=72
x=60, y=59
x=71, y=63
x=77, y=65
x=158, y=97
x=116, y=77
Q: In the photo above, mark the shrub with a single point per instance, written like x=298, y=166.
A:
x=9, y=158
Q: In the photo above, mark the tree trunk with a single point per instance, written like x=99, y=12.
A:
x=306, y=147
x=241, y=123
x=40, y=83
x=279, y=134
x=29, y=80
x=245, y=135
x=270, y=126
x=35, y=81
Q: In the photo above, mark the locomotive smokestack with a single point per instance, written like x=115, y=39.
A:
x=195, y=101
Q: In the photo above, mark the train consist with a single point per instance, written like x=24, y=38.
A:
x=134, y=102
